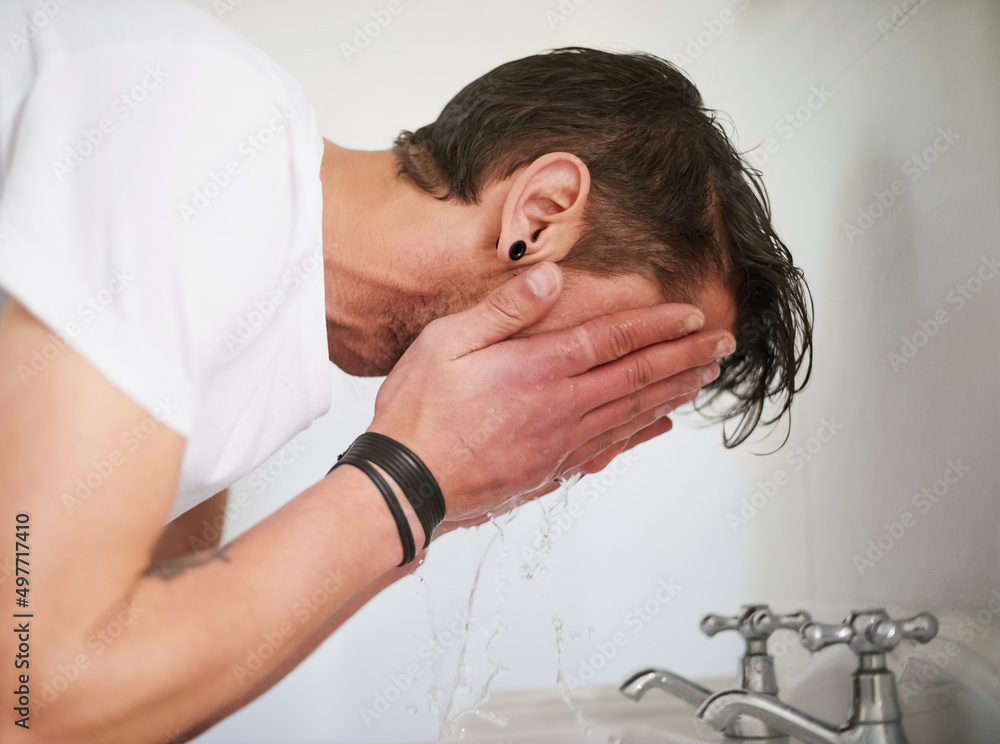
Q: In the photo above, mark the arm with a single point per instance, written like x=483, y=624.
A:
x=186, y=622
x=185, y=628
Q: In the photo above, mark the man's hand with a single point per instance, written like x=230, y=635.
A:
x=495, y=416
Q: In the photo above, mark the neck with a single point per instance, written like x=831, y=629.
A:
x=395, y=257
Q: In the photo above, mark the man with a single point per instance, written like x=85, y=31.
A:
x=184, y=255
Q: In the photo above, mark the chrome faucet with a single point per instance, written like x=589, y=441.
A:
x=874, y=716
x=755, y=623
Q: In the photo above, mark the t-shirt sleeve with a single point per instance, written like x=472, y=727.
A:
x=145, y=208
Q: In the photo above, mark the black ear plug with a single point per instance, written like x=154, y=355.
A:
x=518, y=250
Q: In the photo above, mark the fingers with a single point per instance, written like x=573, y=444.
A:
x=597, y=464
x=660, y=398
x=636, y=372
x=608, y=443
x=601, y=461
x=650, y=432
x=517, y=304
x=605, y=339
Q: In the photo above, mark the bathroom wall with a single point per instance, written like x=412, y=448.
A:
x=875, y=125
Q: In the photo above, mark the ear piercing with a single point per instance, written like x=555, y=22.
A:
x=518, y=250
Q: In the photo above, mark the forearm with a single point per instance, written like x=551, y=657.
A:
x=263, y=682
x=205, y=632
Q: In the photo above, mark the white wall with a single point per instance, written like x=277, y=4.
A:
x=877, y=100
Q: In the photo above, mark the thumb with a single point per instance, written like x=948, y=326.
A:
x=515, y=305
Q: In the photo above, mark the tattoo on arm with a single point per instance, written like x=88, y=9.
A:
x=172, y=569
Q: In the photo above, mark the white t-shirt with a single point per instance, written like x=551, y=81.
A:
x=161, y=212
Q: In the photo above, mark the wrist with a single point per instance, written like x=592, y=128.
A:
x=385, y=459
x=362, y=504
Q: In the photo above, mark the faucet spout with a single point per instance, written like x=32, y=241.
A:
x=642, y=682
x=722, y=709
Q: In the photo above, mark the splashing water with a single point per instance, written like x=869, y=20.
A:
x=537, y=560
x=467, y=695
x=557, y=624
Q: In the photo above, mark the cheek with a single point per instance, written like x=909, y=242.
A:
x=556, y=320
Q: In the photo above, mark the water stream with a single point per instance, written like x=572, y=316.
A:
x=469, y=690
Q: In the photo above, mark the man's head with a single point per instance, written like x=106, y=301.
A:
x=610, y=165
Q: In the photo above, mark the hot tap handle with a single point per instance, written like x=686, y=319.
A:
x=754, y=623
x=712, y=624
x=869, y=632
x=888, y=634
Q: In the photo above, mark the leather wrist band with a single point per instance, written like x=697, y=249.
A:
x=409, y=472
x=411, y=475
x=428, y=494
x=402, y=524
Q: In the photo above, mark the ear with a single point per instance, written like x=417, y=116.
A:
x=545, y=208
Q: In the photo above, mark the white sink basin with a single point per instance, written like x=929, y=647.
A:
x=949, y=711
x=608, y=717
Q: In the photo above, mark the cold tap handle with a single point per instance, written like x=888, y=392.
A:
x=869, y=632
x=887, y=634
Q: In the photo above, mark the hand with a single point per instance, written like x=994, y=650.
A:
x=661, y=426
x=494, y=417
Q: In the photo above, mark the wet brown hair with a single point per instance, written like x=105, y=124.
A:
x=671, y=199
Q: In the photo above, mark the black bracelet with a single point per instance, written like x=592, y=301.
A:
x=402, y=524
x=425, y=495
x=409, y=472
